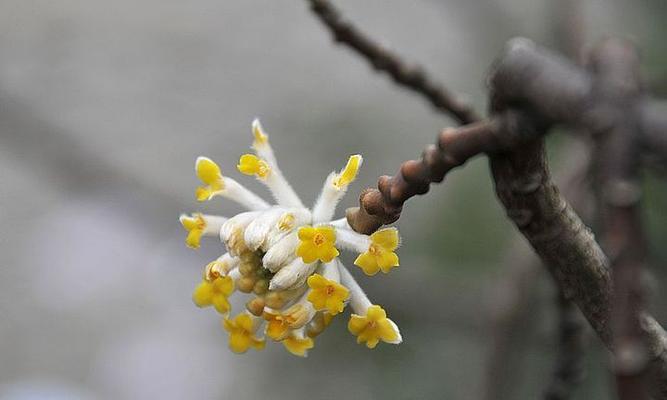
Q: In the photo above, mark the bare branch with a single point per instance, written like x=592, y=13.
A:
x=454, y=147
x=513, y=294
x=412, y=77
x=554, y=230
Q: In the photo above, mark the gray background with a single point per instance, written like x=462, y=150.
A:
x=105, y=105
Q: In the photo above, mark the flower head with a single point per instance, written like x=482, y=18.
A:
x=214, y=293
x=317, y=243
x=380, y=254
x=195, y=226
x=327, y=294
x=250, y=164
x=284, y=256
x=349, y=172
x=373, y=327
x=199, y=225
x=209, y=173
x=242, y=333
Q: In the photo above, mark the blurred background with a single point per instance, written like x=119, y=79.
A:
x=104, y=106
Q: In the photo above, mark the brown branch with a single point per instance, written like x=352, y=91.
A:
x=558, y=236
x=532, y=89
x=412, y=77
x=513, y=294
x=617, y=87
x=566, y=246
x=453, y=148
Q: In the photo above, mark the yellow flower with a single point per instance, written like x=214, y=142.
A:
x=380, y=254
x=349, y=173
x=373, y=327
x=214, y=293
x=250, y=164
x=209, y=173
x=298, y=346
x=195, y=226
x=327, y=294
x=317, y=243
x=278, y=325
x=242, y=333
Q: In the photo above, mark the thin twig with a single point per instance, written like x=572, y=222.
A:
x=412, y=77
x=453, y=148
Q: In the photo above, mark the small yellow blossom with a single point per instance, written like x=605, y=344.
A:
x=349, y=173
x=209, y=173
x=298, y=346
x=250, y=164
x=278, y=325
x=372, y=327
x=380, y=254
x=195, y=226
x=242, y=333
x=214, y=292
x=326, y=294
x=317, y=243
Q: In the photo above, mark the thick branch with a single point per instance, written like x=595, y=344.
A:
x=533, y=202
x=412, y=77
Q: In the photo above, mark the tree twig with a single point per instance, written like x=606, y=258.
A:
x=453, y=148
x=412, y=77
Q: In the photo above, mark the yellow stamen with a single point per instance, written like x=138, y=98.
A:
x=326, y=294
x=214, y=293
x=209, y=173
x=317, y=243
x=250, y=164
x=242, y=333
x=372, y=327
x=348, y=174
x=380, y=254
x=195, y=226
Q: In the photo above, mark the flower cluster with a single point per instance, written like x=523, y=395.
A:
x=286, y=257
